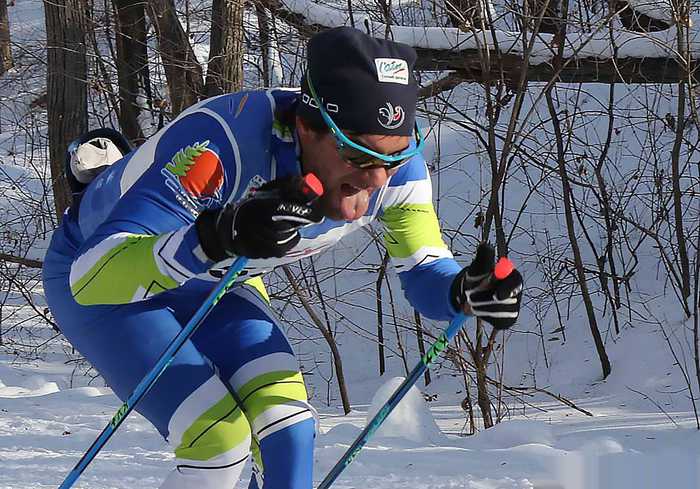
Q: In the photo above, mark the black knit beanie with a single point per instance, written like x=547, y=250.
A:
x=365, y=84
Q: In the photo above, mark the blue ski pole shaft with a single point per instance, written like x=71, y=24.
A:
x=150, y=379
x=375, y=423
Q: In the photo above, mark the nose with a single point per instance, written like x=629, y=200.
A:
x=375, y=177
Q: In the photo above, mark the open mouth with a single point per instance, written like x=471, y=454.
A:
x=349, y=190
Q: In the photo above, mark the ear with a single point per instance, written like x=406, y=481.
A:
x=303, y=130
x=306, y=131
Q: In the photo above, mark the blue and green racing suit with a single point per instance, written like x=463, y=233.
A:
x=125, y=271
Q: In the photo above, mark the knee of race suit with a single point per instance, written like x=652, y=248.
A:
x=211, y=439
x=273, y=394
x=283, y=423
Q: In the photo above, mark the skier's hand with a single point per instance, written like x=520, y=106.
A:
x=476, y=290
x=264, y=225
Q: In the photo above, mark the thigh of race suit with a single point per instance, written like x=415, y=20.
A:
x=189, y=405
x=239, y=344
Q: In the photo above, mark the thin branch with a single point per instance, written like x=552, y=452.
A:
x=27, y=262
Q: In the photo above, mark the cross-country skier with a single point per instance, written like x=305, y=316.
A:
x=139, y=251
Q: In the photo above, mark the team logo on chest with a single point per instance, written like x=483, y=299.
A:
x=196, y=177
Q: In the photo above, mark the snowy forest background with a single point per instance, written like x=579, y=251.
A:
x=563, y=131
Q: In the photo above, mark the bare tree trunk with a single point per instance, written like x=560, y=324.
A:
x=385, y=7
x=676, y=180
x=610, y=226
x=578, y=260
x=66, y=85
x=421, y=342
x=183, y=72
x=102, y=78
x=327, y=335
x=480, y=355
x=399, y=341
x=6, y=61
x=481, y=363
x=499, y=166
x=380, y=314
x=264, y=30
x=132, y=65
x=225, y=69
x=568, y=211
x=462, y=342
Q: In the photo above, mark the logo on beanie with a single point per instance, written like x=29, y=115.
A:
x=391, y=116
x=392, y=70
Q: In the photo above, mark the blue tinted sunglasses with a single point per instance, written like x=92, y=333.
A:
x=361, y=156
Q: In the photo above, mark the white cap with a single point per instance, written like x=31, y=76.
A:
x=90, y=157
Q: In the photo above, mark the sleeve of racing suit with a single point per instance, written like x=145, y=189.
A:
x=414, y=241
x=148, y=242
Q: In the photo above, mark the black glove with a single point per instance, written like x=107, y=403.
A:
x=495, y=301
x=264, y=225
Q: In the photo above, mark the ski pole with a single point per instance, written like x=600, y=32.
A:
x=151, y=377
x=502, y=270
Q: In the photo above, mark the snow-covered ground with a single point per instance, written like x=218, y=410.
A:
x=45, y=427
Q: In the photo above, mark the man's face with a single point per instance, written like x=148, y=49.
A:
x=347, y=189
